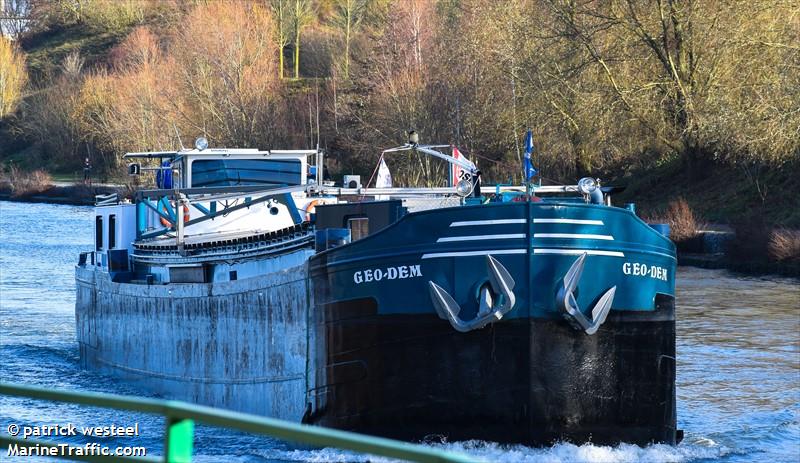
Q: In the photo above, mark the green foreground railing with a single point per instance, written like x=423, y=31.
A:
x=181, y=416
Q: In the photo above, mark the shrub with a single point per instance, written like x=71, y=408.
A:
x=784, y=245
x=12, y=76
x=114, y=15
x=223, y=85
x=683, y=223
x=28, y=183
x=51, y=122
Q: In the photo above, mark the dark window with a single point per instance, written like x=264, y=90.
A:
x=98, y=232
x=112, y=231
x=359, y=228
x=231, y=172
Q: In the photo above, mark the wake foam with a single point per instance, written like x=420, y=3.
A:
x=696, y=449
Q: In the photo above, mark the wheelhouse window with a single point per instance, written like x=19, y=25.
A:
x=359, y=228
x=232, y=172
x=112, y=231
x=98, y=232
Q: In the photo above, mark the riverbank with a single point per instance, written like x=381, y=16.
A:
x=717, y=250
x=737, y=217
x=716, y=192
x=76, y=194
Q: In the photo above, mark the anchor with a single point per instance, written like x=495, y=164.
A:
x=490, y=310
x=565, y=299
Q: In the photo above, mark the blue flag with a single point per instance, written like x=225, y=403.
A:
x=527, y=166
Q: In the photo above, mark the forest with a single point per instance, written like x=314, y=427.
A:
x=669, y=97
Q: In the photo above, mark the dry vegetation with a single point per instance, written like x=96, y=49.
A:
x=683, y=223
x=784, y=245
x=217, y=77
x=12, y=77
x=606, y=85
x=24, y=183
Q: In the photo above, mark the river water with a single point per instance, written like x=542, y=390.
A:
x=738, y=362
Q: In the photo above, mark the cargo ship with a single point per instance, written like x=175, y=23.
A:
x=527, y=314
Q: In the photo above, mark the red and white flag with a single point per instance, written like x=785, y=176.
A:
x=455, y=169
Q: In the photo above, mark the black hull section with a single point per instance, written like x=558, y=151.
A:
x=531, y=381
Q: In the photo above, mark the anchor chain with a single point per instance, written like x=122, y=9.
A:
x=565, y=299
x=490, y=309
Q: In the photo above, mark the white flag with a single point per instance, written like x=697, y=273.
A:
x=384, y=179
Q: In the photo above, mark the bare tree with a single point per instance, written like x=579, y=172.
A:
x=655, y=58
x=282, y=29
x=347, y=17
x=302, y=14
x=14, y=17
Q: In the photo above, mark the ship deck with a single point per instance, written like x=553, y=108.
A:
x=214, y=240
x=223, y=246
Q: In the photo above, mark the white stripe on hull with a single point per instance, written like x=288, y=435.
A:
x=509, y=236
x=570, y=221
x=474, y=253
x=573, y=252
x=469, y=223
x=576, y=236
x=577, y=252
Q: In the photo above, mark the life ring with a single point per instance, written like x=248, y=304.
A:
x=310, y=208
x=166, y=222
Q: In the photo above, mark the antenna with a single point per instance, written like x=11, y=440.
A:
x=539, y=163
x=317, y=98
x=178, y=134
x=320, y=163
x=310, y=121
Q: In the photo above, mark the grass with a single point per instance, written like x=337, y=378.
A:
x=47, y=50
x=725, y=194
x=67, y=177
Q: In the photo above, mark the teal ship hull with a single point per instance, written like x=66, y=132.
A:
x=391, y=361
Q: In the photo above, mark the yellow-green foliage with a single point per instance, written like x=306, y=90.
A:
x=12, y=77
x=104, y=15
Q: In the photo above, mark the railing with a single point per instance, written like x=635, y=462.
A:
x=181, y=416
x=163, y=206
x=86, y=257
x=106, y=200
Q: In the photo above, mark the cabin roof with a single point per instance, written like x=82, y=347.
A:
x=209, y=152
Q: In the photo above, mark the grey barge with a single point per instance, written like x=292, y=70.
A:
x=246, y=281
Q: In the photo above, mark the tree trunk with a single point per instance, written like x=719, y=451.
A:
x=335, y=101
x=281, y=49
x=297, y=52
x=347, y=45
